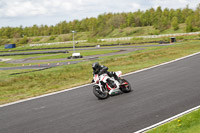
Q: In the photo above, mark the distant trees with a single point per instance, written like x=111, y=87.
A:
x=130, y=20
x=24, y=40
x=174, y=23
x=193, y=20
x=159, y=18
x=189, y=23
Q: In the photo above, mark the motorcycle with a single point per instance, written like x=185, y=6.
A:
x=102, y=89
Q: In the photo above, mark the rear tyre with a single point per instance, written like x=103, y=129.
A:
x=125, y=87
x=99, y=94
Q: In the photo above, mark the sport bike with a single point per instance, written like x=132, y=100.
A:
x=106, y=86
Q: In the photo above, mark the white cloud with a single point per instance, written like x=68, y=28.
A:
x=25, y=8
x=16, y=12
x=174, y=4
x=15, y=8
x=183, y=1
x=135, y=6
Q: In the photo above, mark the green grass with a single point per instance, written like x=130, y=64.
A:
x=22, y=56
x=189, y=123
x=129, y=31
x=142, y=31
x=15, y=87
x=181, y=29
x=3, y=64
x=6, y=74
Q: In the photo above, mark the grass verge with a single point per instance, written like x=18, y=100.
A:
x=189, y=123
x=18, y=87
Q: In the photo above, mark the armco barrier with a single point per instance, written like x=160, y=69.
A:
x=42, y=44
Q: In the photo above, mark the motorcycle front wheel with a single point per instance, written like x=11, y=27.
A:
x=125, y=87
x=99, y=94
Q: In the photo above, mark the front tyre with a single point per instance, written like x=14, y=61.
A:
x=99, y=94
x=125, y=87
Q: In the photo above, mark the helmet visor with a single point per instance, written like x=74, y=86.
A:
x=95, y=69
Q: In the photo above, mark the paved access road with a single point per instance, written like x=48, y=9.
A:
x=123, y=50
x=159, y=93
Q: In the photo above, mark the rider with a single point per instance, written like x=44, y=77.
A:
x=100, y=69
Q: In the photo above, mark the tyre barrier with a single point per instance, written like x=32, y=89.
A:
x=37, y=52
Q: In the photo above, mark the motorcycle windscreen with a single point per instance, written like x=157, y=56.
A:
x=119, y=73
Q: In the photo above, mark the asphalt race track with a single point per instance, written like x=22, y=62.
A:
x=159, y=93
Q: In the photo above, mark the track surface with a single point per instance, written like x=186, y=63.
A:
x=159, y=93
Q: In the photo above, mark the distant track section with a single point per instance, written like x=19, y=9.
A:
x=36, y=52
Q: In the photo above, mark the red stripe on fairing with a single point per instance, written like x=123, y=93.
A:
x=103, y=78
x=108, y=87
x=125, y=83
x=95, y=77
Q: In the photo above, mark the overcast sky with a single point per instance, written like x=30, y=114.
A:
x=50, y=12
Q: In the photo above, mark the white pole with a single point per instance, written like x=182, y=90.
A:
x=73, y=42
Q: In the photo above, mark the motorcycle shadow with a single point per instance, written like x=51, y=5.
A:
x=116, y=94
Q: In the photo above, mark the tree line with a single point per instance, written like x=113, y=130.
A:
x=159, y=18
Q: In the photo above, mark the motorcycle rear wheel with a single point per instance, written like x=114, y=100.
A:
x=99, y=94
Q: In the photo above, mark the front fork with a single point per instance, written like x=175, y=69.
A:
x=101, y=88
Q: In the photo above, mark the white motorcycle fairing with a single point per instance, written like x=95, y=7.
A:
x=103, y=78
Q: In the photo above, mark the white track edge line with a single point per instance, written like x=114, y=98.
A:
x=168, y=120
x=53, y=93
x=162, y=64
x=49, y=94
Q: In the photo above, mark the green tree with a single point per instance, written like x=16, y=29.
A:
x=92, y=24
x=174, y=23
x=24, y=40
x=197, y=18
x=146, y=18
x=84, y=24
x=152, y=15
x=137, y=18
x=116, y=21
x=189, y=25
x=158, y=19
x=130, y=19
x=179, y=15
